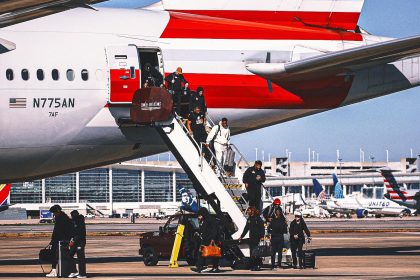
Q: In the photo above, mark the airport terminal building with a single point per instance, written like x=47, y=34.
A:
x=148, y=188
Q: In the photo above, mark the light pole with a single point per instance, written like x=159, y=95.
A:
x=340, y=161
x=256, y=154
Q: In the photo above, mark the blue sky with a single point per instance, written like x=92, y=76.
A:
x=388, y=122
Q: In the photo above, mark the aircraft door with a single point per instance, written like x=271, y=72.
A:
x=124, y=73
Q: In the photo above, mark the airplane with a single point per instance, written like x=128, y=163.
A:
x=362, y=207
x=69, y=71
x=4, y=196
x=398, y=194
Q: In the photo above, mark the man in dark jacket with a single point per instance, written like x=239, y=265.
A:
x=208, y=233
x=62, y=232
x=269, y=211
x=78, y=243
x=197, y=99
x=277, y=228
x=253, y=178
x=297, y=232
x=176, y=85
x=255, y=226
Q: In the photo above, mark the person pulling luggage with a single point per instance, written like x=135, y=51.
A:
x=297, y=232
x=219, y=137
x=277, y=228
x=269, y=211
x=255, y=226
x=208, y=231
x=78, y=243
x=177, y=85
x=62, y=232
x=253, y=178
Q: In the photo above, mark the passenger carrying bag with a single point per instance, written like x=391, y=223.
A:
x=308, y=258
x=46, y=255
x=211, y=251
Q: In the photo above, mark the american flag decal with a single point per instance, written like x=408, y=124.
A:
x=17, y=103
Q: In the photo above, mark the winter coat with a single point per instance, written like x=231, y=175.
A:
x=197, y=100
x=255, y=226
x=179, y=80
x=79, y=230
x=220, y=135
x=277, y=227
x=299, y=229
x=62, y=228
x=250, y=178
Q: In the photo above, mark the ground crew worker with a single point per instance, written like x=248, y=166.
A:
x=197, y=99
x=219, y=137
x=177, y=85
x=78, y=243
x=62, y=232
x=255, y=226
x=196, y=126
x=253, y=178
x=297, y=232
x=208, y=232
x=269, y=211
x=277, y=228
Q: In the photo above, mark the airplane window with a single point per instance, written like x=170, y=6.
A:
x=85, y=74
x=70, y=75
x=9, y=74
x=40, y=74
x=25, y=74
x=55, y=74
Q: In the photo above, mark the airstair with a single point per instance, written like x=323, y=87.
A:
x=222, y=193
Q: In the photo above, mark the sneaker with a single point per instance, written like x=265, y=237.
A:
x=207, y=270
x=73, y=275
x=81, y=276
x=215, y=270
x=52, y=274
x=195, y=269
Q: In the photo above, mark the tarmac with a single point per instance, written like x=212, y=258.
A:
x=361, y=254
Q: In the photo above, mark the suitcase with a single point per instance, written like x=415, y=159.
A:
x=309, y=258
x=229, y=164
x=66, y=264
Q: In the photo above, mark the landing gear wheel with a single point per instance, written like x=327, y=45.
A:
x=149, y=257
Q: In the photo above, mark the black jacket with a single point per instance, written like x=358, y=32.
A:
x=255, y=226
x=179, y=82
x=298, y=229
x=268, y=212
x=62, y=228
x=277, y=227
x=197, y=100
x=79, y=230
x=208, y=230
x=250, y=178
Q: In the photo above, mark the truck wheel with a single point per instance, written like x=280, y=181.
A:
x=149, y=257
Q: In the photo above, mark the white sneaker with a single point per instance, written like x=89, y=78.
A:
x=208, y=269
x=81, y=276
x=73, y=275
x=52, y=274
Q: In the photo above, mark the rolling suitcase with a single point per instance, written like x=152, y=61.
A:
x=66, y=264
x=229, y=164
x=308, y=258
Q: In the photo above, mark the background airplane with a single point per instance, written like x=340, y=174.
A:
x=397, y=193
x=70, y=77
x=4, y=196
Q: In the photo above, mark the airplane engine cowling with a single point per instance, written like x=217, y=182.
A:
x=362, y=213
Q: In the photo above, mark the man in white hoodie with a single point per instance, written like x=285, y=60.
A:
x=220, y=136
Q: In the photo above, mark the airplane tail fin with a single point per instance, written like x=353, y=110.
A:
x=319, y=190
x=5, y=194
x=341, y=14
x=393, y=191
x=338, y=190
